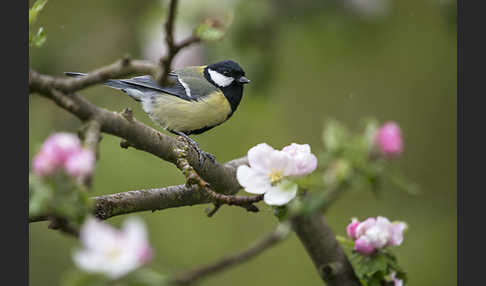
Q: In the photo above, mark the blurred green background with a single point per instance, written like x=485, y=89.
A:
x=308, y=61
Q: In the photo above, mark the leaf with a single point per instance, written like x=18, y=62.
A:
x=366, y=267
x=39, y=195
x=39, y=39
x=34, y=11
x=213, y=29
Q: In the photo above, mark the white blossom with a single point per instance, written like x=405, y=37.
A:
x=112, y=252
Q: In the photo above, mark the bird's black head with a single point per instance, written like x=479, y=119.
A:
x=225, y=74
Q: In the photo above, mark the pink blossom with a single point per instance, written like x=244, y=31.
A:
x=378, y=231
x=80, y=163
x=389, y=139
x=61, y=145
x=351, y=228
x=375, y=233
x=44, y=165
x=54, y=153
x=304, y=161
x=363, y=245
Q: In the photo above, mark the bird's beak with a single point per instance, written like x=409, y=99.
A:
x=243, y=80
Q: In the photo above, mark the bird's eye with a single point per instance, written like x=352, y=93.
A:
x=226, y=72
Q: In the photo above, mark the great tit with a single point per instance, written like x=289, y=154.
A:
x=196, y=99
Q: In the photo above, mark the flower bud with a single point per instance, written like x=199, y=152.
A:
x=304, y=161
x=44, y=164
x=61, y=146
x=351, y=228
x=363, y=245
x=389, y=140
x=80, y=164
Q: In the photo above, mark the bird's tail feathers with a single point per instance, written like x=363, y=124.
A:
x=114, y=83
x=111, y=82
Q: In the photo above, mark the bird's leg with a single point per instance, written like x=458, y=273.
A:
x=202, y=154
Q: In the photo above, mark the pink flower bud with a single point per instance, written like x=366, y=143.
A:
x=351, y=228
x=389, y=139
x=362, y=245
x=80, y=163
x=304, y=161
x=44, y=164
x=61, y=145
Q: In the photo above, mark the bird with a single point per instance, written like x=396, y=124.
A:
x=196, y=99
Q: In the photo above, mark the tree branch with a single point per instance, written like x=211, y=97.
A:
x=120, y=68
x=91, y=136
x=166, y=61
x=326, y=253
x=194, y=275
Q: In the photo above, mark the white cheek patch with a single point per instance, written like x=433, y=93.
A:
x=220, y=79
x=186, y=87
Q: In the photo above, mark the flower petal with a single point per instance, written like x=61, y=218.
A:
x=281, y=194
x=96, y=234
x=364, y=226
x=253, y=181
x=89, y=261
x=363, y=245
x=134, y=232
x=258, y=157
x=351, y=228
x=280, y=161
x=397, y=229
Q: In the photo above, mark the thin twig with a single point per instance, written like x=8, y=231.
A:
x=63, y=225
x=193, y=178
x=91, y=136
x=194, y=275
x=166, y=61
x=120, y=68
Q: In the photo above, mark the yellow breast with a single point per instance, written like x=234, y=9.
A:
x=181, y=115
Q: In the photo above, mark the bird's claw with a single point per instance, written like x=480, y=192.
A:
x=207, y=155
x=202, y=155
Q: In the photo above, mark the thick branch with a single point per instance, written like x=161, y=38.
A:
x=225, y=263
x=326, y=253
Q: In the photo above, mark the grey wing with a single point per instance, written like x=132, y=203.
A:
x=147, y=84
x=196, y=87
